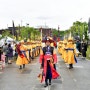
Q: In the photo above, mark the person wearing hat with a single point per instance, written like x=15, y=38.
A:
x=48, y=59
x=60, y=47
x=65, y=51
x=22, y=56
x=71, y=52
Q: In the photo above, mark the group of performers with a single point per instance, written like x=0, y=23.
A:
x=25, y=53
x=48, y=58
x=67, y=49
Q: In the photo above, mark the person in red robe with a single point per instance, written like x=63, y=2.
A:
x=48, y=59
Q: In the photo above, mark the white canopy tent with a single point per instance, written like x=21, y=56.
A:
x=6, y=40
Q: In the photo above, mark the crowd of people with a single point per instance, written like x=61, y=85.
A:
x=7, y=52
x=68, y=49
x=20, y=52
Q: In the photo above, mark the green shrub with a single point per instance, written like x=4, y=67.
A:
x=88, y=53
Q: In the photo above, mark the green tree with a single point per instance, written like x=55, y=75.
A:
x=36, y=34
x=6, y=33
x=29, y=32
x=26, y=32
x=55, y=32
x=78, y=29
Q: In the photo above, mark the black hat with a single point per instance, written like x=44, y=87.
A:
x=48, y=39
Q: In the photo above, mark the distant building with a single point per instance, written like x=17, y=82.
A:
x=46, y=31
x=9, y=29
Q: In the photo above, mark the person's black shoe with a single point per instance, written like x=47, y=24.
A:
x=46, y=85
x=23, y=65
x=9, y=63
x=20, y=67
x=70, y=67
x=49, y=83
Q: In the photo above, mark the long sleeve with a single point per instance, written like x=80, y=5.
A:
x=54, y=56
x=41, y=56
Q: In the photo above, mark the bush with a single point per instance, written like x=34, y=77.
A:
x=88, y=53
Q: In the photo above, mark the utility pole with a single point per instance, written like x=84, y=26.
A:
x=41, y=33
x=58, y=33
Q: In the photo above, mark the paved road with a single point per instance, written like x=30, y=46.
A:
x=78, y=78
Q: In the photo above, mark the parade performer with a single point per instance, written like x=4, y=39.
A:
x=65, y=51
x=60, y=47
x=48, y=59
x=71, y=52
x=22, y=56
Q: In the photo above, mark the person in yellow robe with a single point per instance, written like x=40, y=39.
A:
x=65, y=51
x=71, y=51
x=22, y=56
x=60, y=47
x=62, y=50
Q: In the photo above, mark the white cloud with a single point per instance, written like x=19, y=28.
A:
x=37, y=12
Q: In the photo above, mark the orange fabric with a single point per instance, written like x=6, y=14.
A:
x=22, y=60
x=70, y=54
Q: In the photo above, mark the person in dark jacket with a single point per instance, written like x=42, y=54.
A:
x=78, y=45
x=10, y=54
x=84, y=49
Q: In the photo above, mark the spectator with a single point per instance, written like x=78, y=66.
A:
x=84, y=49
x=78, y=45
x=10, y=54
x=5, y=48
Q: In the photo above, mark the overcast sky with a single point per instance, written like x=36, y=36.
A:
x=41, y=12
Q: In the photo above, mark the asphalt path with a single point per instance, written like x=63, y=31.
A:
x=78, y=78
